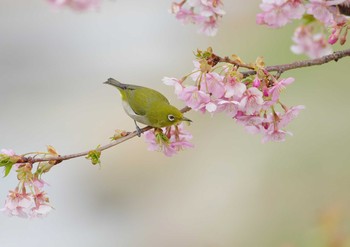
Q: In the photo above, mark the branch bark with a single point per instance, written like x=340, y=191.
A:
x=304, y=63
x=60, y=158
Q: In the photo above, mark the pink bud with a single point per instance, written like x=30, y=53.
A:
x=256, y=82
x=265, y=91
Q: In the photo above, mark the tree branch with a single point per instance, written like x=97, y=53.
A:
x=296, y=65
x=278, y=68
x=60, y=158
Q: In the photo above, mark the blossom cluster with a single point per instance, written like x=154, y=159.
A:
x=168, y=140
x=329, y=14
x=251, y=100
x=204, y=13
x=28, y=199
x=78, y=5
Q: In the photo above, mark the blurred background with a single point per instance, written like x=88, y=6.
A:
x=230, y=190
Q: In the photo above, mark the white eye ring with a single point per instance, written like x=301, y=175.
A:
x=171, y=117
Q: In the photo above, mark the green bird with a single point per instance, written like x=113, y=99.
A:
x=147, y=106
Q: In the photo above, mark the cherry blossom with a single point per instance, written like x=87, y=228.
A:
x=8, y=152
x=234, y=88
x=22, y=203
x=194, y=98
x=275, y=135
x=289, y=115
x=277, y=88
x=78, y=5
x=204, y=13
x=18, y=204
x=168, y=140
x=277, y=13
x=251, y=101
x=313, y=45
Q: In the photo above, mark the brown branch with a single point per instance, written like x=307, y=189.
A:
x=234, y=62
x=60, y=158
x=296, y=65
x=278, y=68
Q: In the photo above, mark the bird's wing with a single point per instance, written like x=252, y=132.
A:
x=143, y=99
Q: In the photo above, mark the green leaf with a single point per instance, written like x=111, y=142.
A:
x=7, y=162
x=161, y=138
x=7, y=170
x=94, y=156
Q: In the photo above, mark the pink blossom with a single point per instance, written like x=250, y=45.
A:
x=275, y=135
x=33, y=204
x=252, y=101
x=277, y=13
x=209, y=7
x=171, y=81
x=38, y=183
x=321, y=10
x=8, y=152
x=42, y=207
x=256, y=82
x=186, y=16
x=313, y=45
x=289, y=115
x=209, y=26
x=229, y=106
x=18, y=204
x=234, y=88
x=333, y=38
x=204, y=13
x=253, y=124
x=196, y=74
x=170, y=141
x=210, y=107
x=276, y=89
x=213, y=85
x=78, y=5
x=194, y=98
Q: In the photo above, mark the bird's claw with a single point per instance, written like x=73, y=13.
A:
x=138, y=130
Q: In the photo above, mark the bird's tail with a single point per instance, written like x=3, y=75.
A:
x=115, y=83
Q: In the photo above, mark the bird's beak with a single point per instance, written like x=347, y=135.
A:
x=186, y=119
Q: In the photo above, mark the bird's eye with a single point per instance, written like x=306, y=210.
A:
x=171, y=117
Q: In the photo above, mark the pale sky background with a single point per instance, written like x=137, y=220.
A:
x=230, y=190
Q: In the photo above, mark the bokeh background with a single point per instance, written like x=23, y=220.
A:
x=230, y=190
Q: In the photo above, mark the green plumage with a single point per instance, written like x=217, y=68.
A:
x=147, y=106
x=141, y=98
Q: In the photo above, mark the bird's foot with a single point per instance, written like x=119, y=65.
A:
x=138, y=129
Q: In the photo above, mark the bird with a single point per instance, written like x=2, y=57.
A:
x=147, y=106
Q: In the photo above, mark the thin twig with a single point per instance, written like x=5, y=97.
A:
x=60, y=158
x=304, y=63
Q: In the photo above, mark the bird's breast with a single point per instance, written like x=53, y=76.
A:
x=133, y=115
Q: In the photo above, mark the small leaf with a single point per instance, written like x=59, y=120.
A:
x=260, y=62
x=204, y=66
x=237, y=59
x=51, y=150
x=94, y=156
x=7, y=170
x=7, y=162
x=161, y=138
x=119, y=134
x=44, y=167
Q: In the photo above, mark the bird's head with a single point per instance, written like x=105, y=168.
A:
x=166, y=115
